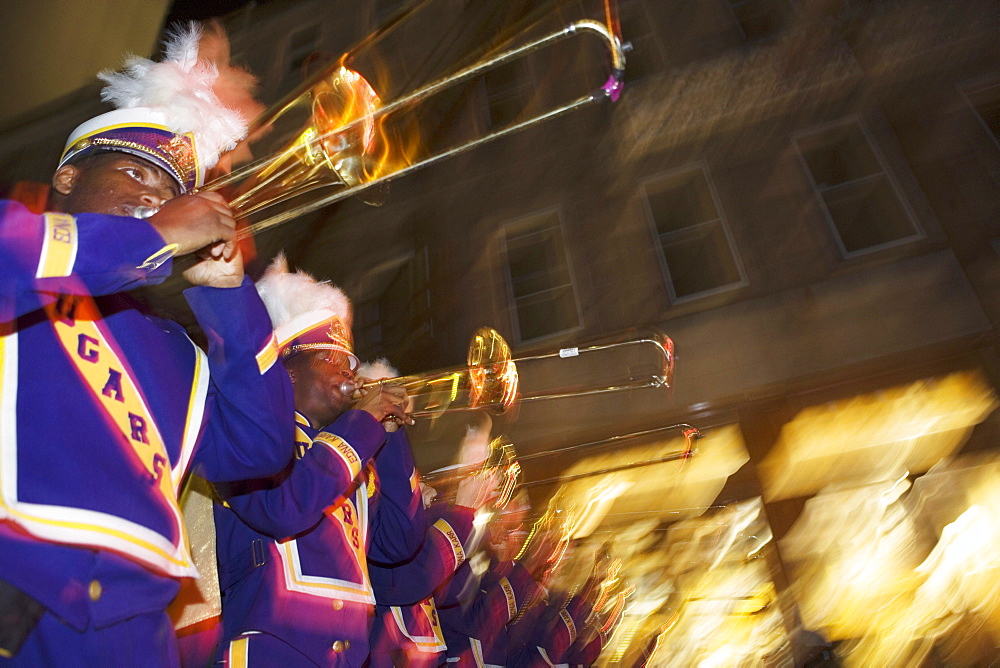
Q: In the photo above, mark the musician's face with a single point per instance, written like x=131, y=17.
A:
x=111, y=183
x=508, y=532
x=318, y=378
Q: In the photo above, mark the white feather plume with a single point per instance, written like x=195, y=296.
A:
x=181, y=87
x=287, y=295
x=377, y=370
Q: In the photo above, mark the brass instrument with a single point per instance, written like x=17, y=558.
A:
x=490, y=378
x=658, y=344
x=341, y=152
x=691, y=437
x=487, y=382
x=501, y=460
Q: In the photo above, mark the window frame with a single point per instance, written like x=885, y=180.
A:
x=721, y=218
x=891, y=179
x=522, y=226
x=978, y=87
x=366, y=293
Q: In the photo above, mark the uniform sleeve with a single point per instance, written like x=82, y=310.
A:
x=553, y=637
x=250, y=422
x=397, y=520
x=293, y=501
x=495, y=606
x=83, y=254
x=586, y=650
x=442, y=552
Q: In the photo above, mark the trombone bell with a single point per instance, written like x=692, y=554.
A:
x=339, y=146
x=501, y=460
x=487, y=382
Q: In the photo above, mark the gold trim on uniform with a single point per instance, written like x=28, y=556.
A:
x=94, y=354
x=159, y=257
x=342, y=448
x=59, y=246
x=457, y=551
x=570, y=625
x=477, y=652
x=508, y=593
x=268, y=355
x=239, y=650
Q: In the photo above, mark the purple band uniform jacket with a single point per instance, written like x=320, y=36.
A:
x=475, y=618
x=544, y=635
x=292, y=549
x=406, y=619
x=103, y=408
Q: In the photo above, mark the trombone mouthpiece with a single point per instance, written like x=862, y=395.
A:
x=348, y=388
x=144, y=211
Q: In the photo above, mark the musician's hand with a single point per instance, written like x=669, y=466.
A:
x=475, y=446
x=195, y=222
x=386, y=403
x=427, y=494
x=216, y=272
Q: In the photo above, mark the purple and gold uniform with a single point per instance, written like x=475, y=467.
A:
x=586, y=650
x=103, y=408
x=292, y=550
x=544, y=635
x=407, y=635
x=475, y=616
x=406, y=618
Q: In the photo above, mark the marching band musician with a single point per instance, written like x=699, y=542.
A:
x=104, y=407
x=407, y=630
x=406, y=621
x=475, y=612
x=293, y=549
x=544, y=635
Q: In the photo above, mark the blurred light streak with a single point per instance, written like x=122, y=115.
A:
x=682, y=487
x=716, y=601
x=865, y=576
x=873, y=437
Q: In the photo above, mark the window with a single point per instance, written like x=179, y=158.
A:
x=539, y=278
x=392, y=309
x=697, y=251
x=759, y=19
x=857, y=194
x=986, y=101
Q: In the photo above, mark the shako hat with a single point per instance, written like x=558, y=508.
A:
x=306, y=314
x=169, y=111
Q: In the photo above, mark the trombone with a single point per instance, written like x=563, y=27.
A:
x=340, y=145
x=487, y=382
x=660, y=345
x=501, y=460
x=691, y=437
x=490, y=379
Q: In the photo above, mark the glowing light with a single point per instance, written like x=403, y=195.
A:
x=343, y=143
x=492, y=375
x=866, y=578
x=875, y=436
